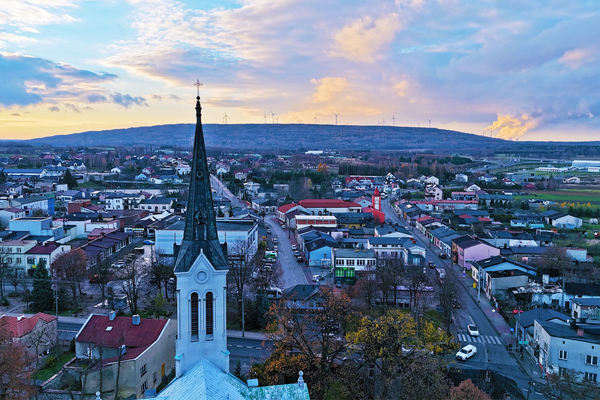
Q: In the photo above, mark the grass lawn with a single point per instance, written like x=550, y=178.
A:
x=561, y=196
x=46, y=372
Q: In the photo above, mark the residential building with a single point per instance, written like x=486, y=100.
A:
x=461, y=178
x=497, y=273
x=328, y=206
x=347, y=262
x=157, y=205
x=139, y=351
x=317, y=248
x=31, y=204
x=303, y=297
x=10, y=213
x=473, y=250
x=48, y=252
x=434, y=192
x=14, y=257
x=123, y=201
x=561, y=220
x=37, y=333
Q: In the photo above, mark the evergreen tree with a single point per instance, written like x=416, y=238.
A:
x=262, y=310
x=69, y=180
x=525, y=205
x=41, y=295
x=2, y=177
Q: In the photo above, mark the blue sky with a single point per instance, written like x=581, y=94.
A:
x=525, y=70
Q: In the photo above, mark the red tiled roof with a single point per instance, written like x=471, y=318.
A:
x=333, y=203
x=19, y=328
x=423, y=219
x=42, y=249
x=134, y=336
x=287, y=207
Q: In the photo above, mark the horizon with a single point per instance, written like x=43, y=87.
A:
x=527, y=72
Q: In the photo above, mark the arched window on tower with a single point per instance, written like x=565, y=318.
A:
x=194, y=317
x=209, y=316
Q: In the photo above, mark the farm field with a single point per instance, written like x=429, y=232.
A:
x=569, y=196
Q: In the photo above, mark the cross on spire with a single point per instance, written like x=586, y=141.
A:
x=198, y=84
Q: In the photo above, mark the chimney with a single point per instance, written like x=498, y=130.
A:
x=135, y=319
x=300, y=381
x=252, y=382
x=112, y=315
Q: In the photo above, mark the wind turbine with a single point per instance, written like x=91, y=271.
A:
x=299, y=121
x=393, y=120
x=265, y=118
x=273, y=115
x=429, y=119
x=277, y=119
x=225, y=117
x=383, y=121
x=316, y=119
x=336, y=115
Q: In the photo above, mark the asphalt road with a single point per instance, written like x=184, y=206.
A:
x=293, y=273
x=491, y=350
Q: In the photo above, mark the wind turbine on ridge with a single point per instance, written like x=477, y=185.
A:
x=265, y=118
x=336, y=115
x=316, y=119
x=273, y=115
x=225, y=117
x=393, y=120
x=429, y=119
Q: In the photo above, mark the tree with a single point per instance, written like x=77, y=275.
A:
x=389, y=276
x=41, y=337
x=130, y=282
x=241, y=264
x=305, y=340
x=525, y=205
x=100, y=272
x=568, y=386
x=366, y=287
x=15, y=374
x=268, y=276
x=161, y=269
x=69, y=180
x=70, y=267
x=41, y=295
x=467, y=390
x=5, y=264
x=449, y=294
x=555, y=260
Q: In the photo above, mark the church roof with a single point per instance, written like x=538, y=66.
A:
x=200, y=233
x=204, y=381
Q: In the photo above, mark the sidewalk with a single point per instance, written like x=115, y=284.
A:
x=248, y=335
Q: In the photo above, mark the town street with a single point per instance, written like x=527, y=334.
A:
x=293, y=273
x=491, y=344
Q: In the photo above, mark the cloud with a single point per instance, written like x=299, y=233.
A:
x=362, y=38
x=28, y=14
x=577, y=58
x=30, y=80
x=54, y=109
x=95, y=98
x=126, y=100
x=402, y=88
x=512, y=127
x=328, y=88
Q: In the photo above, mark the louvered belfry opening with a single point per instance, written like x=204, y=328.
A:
x=194, y=317
x=209, y=316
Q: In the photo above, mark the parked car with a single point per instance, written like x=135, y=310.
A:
x=275, y=241
x=431, y=264
x=299, y=258
x=316, y=278
x=283, y=226
x=296, y=253
x=148, y=241
x=443, y=256
x=294, y=247
x=466, y=352
x=268, y=231
x=472, y=329
x=275, y=248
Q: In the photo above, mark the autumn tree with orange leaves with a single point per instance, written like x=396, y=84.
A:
x=15, y=373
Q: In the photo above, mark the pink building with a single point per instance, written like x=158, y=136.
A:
x=474, y=250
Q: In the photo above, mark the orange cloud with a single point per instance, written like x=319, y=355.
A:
x=512, y=128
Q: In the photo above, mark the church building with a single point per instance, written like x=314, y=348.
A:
x=202, y=358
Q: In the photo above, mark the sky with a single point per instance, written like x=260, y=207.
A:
x=518, y=70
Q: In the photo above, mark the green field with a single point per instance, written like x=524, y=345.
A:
x=569, y=196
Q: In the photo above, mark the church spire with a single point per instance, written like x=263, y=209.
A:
x=200, y=232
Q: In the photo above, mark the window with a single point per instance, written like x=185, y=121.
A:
x=209, y=316
x=154, y=377
x=144, y=369
x=18, y=249
x=18, y=261
x=360, y=262
x=562, y=355
x=339, y=261
x=30, y=260
x=144, y=386
x=194, y=317
x=591, y=360
x=349, y=262
x=590, y=377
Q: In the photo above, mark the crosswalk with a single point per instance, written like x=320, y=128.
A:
x=480, y=339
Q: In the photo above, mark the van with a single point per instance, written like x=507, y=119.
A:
x=441, y=273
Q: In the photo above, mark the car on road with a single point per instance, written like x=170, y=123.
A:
x=296, y=253
x=299, y=258
x=316, y=278
x=275, y=241
x=472, y=329
x=283, y=226
x=443, y=256
x=148, y=241
x=294, y=247
x=466, y=352
x=275, y=248
x=268, y=231
x=431, y=264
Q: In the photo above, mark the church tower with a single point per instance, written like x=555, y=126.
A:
x=201, y=270
x=376, y=200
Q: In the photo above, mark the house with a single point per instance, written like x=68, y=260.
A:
x=251, y=188
x=561, y=220
x=31, y=204
x=464, y=196
x=471, y=187
x=142, y=350
x=579, y=291
x=434, y=192
x=328, y=206
x=581, y=307
x=157, y=205
x=461, y=178
x=48, y=252
x=347, y=262
x=473, y=250
x=240, y=175
x=353, y=220
x=265, y=205
x=123, y=201
x=572, y=180
x=393, y=247
x=303, y=221
x=525, y=322
x=303, y=297
x=317, y=247
x=498, y=273
x=282, y=210
x=505, y=239
x=575, y=345
x=392, y=230
x=431, y=180
x=37, y=333
x=487, y=178
x=10, y=213
x=183, y=169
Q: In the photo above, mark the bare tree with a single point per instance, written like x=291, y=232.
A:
x=161, y=269
x=366, y=287
x=389, y=276
x=130, y=282
x=15, y=374
x=267, y=276
x=45, y=336
x=5, y=264
x=71, y=267
x=241, y=264
x=101, y=275
x=449, y=295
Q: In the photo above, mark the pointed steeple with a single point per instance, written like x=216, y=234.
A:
x=200, y=224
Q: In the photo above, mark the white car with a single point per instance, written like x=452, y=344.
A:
x=466, y=352
x=316, y=278
x=472, y=329
x=294, y=247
